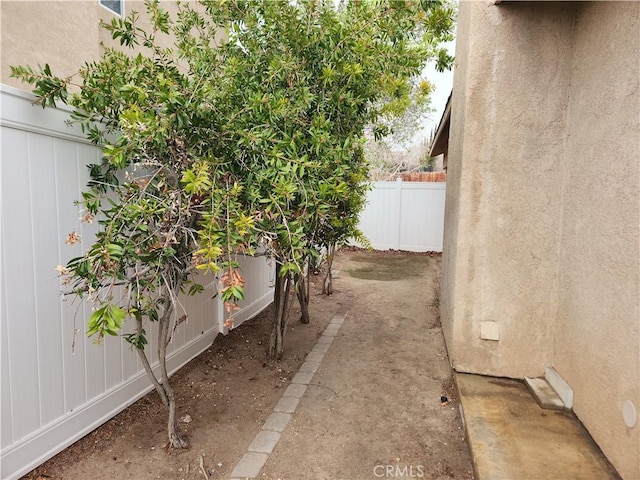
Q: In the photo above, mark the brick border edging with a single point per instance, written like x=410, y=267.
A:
x=266, y=440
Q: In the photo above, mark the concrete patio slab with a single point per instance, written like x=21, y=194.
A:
x=513, y=438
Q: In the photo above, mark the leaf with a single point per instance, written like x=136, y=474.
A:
x=195, y=288
x=115, y=250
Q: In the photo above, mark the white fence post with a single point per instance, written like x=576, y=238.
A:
x=399, y=214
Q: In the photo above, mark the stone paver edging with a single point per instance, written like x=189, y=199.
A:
x=266, y=440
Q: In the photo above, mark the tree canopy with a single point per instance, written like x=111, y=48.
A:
x=244, y=136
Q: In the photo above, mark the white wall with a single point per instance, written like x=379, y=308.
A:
x=404, y=216
x=57, y=385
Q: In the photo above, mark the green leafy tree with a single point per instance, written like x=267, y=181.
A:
x=246, y=134
x=309, y=78
x=166, y=205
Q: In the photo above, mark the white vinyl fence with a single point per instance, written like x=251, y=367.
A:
x=405, y=216
x=57, y=385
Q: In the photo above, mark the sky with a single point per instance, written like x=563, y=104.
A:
x=443, y=83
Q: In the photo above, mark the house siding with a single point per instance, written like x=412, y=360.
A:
x=65, y=34
x=597, y=330
x=542, y=216
x=504, y=183
x=60, y=33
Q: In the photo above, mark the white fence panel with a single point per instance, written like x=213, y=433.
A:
x=56, y=385
x=405, y=216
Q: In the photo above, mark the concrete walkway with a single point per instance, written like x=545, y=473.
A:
x=367, y=403
x=266, y=440
x=371, y=408
x=513, y=438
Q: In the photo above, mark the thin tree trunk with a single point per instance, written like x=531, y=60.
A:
x=175, y=440
x=280, y=310
x=302, y=291
x=162, y=385
x=306, y=289
x=327, y=283
x=147, y=368
x=277, y=301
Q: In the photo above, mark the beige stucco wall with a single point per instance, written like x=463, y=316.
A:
x=503, y=186
x=62, y=33
x=597, y=332
x=543, y=214
x=454, y=193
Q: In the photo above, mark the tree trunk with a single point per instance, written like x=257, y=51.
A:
x=147, y=368
x=327, y=283
x=280, y=311
x=302, y=291
x=162, y=385
x=175, y=440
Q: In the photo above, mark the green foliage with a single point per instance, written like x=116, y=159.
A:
x=304, y=81
x=165, y=205
x=246, y=134
x=427, y=163
x=107, y=319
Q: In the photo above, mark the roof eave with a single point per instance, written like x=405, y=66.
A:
x=441, y=138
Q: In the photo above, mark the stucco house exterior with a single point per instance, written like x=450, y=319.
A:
x=541, y=263
x=62, y=33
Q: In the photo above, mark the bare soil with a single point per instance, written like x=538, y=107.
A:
x=377, y=404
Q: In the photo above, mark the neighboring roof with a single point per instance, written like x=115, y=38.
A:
x=441, y=138
x=430, y=177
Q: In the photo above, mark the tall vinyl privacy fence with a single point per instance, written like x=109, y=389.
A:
x=405, y=216
x=57, y=385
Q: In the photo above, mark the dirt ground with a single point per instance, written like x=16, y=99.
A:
x=376, y=408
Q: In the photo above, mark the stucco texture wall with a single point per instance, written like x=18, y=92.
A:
x=597, y=332
x=454, y=193
x=543, y=213
x=503, y=185
x=63, y=33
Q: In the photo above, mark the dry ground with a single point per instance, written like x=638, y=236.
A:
x=375, y=406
